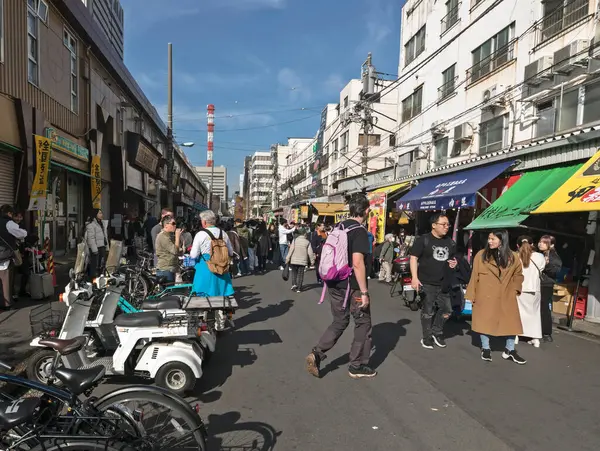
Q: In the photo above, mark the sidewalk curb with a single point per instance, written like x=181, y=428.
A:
x=579, y=325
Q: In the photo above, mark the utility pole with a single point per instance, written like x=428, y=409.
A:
x=170, y=157
x=369, y=76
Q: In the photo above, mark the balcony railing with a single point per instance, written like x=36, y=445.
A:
x=450, y=19
x=492, y=62
x=563, y=17
x=447, y=89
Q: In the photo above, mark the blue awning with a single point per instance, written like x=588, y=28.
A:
x=458, y=190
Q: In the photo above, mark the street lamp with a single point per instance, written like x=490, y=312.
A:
x=187, y=144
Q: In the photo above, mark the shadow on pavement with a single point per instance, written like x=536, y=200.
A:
x=385, y=337
x=262, y=314
x=456, y=327
x=227, y=433
x=234, y=348
x=246, y=298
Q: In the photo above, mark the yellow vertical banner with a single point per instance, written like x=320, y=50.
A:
x=37, y=200
x=96, y=182
x=377, y=215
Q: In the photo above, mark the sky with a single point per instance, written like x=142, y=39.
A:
x=268, y=66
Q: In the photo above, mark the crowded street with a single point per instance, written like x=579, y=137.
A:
x=256, y=394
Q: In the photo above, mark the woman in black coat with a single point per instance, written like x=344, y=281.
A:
x=548, y=277
x=263, y=246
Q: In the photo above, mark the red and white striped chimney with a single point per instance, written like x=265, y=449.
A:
x=210, y=114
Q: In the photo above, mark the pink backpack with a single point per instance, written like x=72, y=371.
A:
x=334, y=265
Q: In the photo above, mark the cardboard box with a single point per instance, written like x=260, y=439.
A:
x=563, y=296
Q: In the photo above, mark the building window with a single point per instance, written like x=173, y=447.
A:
x=491, y=135
x=474, y=3
x=492, y=54
x=411, y=106
x=441, y=152
x=561, y=14
x=567, y=116
x=343, y=173
x=346, y=102
x=392, y=140
x=591, y=106
x=71, y=45
x=334, y=150
x=374, y=140
x=2, y=31
x=451, y=16
x=32, y=42
x=546, y=114
x=344, y=143
x=448, y=83
x=415, y=46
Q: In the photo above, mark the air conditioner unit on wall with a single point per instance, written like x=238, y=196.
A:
x=438, y=128
x=539, y=70
x=572, y=55
x=493, y=96
x=596, y=46
x=463, y=132
x=419, y=166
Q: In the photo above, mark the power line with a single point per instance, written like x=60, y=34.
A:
x=257, y=113
x=249, y=128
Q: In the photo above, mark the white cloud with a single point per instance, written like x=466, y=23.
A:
x=379, y=24
x=252, y=4
x=333, y=84
x=292, y=85
x=149, y=81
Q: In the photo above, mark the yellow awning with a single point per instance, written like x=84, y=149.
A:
x=328, y=208
x=581, y=192
x=392, y=188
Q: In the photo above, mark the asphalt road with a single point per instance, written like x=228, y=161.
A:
x=256, y=395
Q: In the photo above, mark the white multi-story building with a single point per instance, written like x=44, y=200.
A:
x=261, y=182
x=482, y=76
x=109, y=15
x=218, y=177
x=346, y=150
x=283, y=169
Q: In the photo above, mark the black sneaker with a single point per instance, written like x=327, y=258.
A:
x=427, y=343
x=312, y=364
x=486, y=355
x=439, y=341
x=512, y=355
x=547, y=339
x=361, y=372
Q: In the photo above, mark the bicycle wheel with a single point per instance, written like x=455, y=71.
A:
x=165, y=421
x=82, y=445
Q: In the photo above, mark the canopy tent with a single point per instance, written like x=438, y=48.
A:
x=327, y=208
x=392, y=189
x=579, y=193
x=527, y=194
x=457, y=190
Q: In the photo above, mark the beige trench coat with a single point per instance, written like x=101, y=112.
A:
x=494, y=296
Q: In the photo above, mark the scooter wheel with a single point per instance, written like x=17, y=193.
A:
x=39, y=366
x=176, y=377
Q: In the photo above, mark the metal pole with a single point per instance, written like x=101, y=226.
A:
x=170, y=159
x=210, y=116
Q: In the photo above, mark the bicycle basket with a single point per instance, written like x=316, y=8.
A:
x=47, y=319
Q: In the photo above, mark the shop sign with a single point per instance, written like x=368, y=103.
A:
x=304, y=212
x=146, y=159
x=96, y=182
x=579, y=193
x=341, y=216
x=67, y=146
x=43, y=146
x=377, y=215
x=239, y=208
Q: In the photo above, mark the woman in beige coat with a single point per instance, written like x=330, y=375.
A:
x=495, y=284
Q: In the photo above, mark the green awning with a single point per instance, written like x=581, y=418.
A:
x=69, y=168
x=527, y=194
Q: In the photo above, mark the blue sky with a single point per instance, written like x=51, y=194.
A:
x=268, y=66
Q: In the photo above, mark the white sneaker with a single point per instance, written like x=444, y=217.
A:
x=281, y=268
x=239, y=274
x=294, y=287
x=535, y=342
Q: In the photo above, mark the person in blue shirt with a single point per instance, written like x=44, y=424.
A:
x=369, y=257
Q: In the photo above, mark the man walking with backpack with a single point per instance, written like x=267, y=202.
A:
x=343, y=268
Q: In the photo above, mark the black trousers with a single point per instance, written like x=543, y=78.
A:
x=297, y=275
x=262, y=262
x=546, y=309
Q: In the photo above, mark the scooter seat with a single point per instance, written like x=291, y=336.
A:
x=64, y=347
x=163, y=303
x=142, y=319
x=80, y=380
x=15, y=413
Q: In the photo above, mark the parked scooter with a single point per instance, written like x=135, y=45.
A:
x=149, y=344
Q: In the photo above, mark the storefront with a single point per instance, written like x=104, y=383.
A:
x=11, y=155
x=325, y=211
x=380, y=203
x=142, y=170
x=184, y=201
x=69, y=191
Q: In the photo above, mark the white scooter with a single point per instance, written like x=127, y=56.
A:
x=146, y=344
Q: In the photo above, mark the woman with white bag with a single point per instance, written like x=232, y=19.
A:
x=531, y=294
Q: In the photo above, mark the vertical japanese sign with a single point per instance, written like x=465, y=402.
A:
x=378, y=206
x=96, y=182
x=37, y=201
